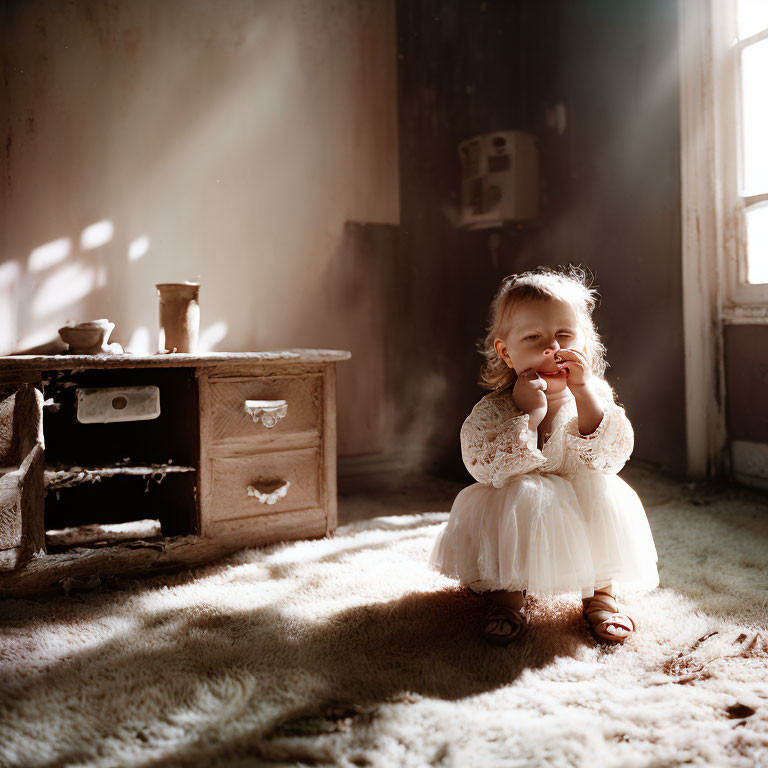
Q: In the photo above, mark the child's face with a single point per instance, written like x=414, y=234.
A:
x=537, y=330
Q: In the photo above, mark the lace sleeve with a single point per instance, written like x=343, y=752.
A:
x=496, y=443
x=609, y=446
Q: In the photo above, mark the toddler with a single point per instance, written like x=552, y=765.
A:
x=548, y=513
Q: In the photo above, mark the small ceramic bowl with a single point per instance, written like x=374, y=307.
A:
x=88, y=338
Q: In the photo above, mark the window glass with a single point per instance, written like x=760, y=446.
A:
x=757, y=244
x=753, y=17
x=755, y=118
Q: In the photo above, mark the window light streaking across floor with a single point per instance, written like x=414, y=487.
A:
x=96, y=235
x=48, y=255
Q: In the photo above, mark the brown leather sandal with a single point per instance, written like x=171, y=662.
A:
x=606, y=621
x=504, y=624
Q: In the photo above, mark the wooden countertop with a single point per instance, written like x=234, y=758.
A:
x=169, y=360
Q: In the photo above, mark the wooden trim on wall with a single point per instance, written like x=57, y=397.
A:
x=702, y=260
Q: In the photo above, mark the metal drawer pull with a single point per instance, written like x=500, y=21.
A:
x=269, y=498
x=268, y=412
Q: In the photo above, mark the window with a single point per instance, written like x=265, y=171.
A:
x=740, y=38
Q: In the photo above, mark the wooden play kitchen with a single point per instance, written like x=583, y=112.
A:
x=115, y=464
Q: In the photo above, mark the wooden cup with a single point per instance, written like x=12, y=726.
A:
x=179, y=316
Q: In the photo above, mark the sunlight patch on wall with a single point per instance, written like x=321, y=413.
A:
x=39, y=337
x=211, y=336
x=138, y=248
x=9, y=275
x=140, y=343
x=48, y=255
x=96, y=235
x=63, y=288
x=9, y=286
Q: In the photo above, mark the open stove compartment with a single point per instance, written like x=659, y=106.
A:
x=122, y=480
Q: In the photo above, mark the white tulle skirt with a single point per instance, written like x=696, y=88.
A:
x=546, y=534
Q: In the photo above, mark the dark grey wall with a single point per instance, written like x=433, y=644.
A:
x=611, y=196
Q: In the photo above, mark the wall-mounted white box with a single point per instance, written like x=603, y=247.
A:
x=499, y=179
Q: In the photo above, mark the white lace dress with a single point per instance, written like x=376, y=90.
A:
x=551, y=520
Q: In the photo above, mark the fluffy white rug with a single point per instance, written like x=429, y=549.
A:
x=349, y=651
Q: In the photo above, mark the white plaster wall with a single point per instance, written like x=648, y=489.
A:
x=223, y=141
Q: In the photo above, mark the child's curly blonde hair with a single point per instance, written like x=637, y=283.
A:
x=571, y=284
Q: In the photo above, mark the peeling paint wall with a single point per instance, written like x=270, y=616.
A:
x=229, y=142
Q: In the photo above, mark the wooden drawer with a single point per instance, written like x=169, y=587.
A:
x=232, y=477
x=230, y=422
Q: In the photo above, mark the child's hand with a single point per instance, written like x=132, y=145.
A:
x=577, y=367
x=528, y=395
